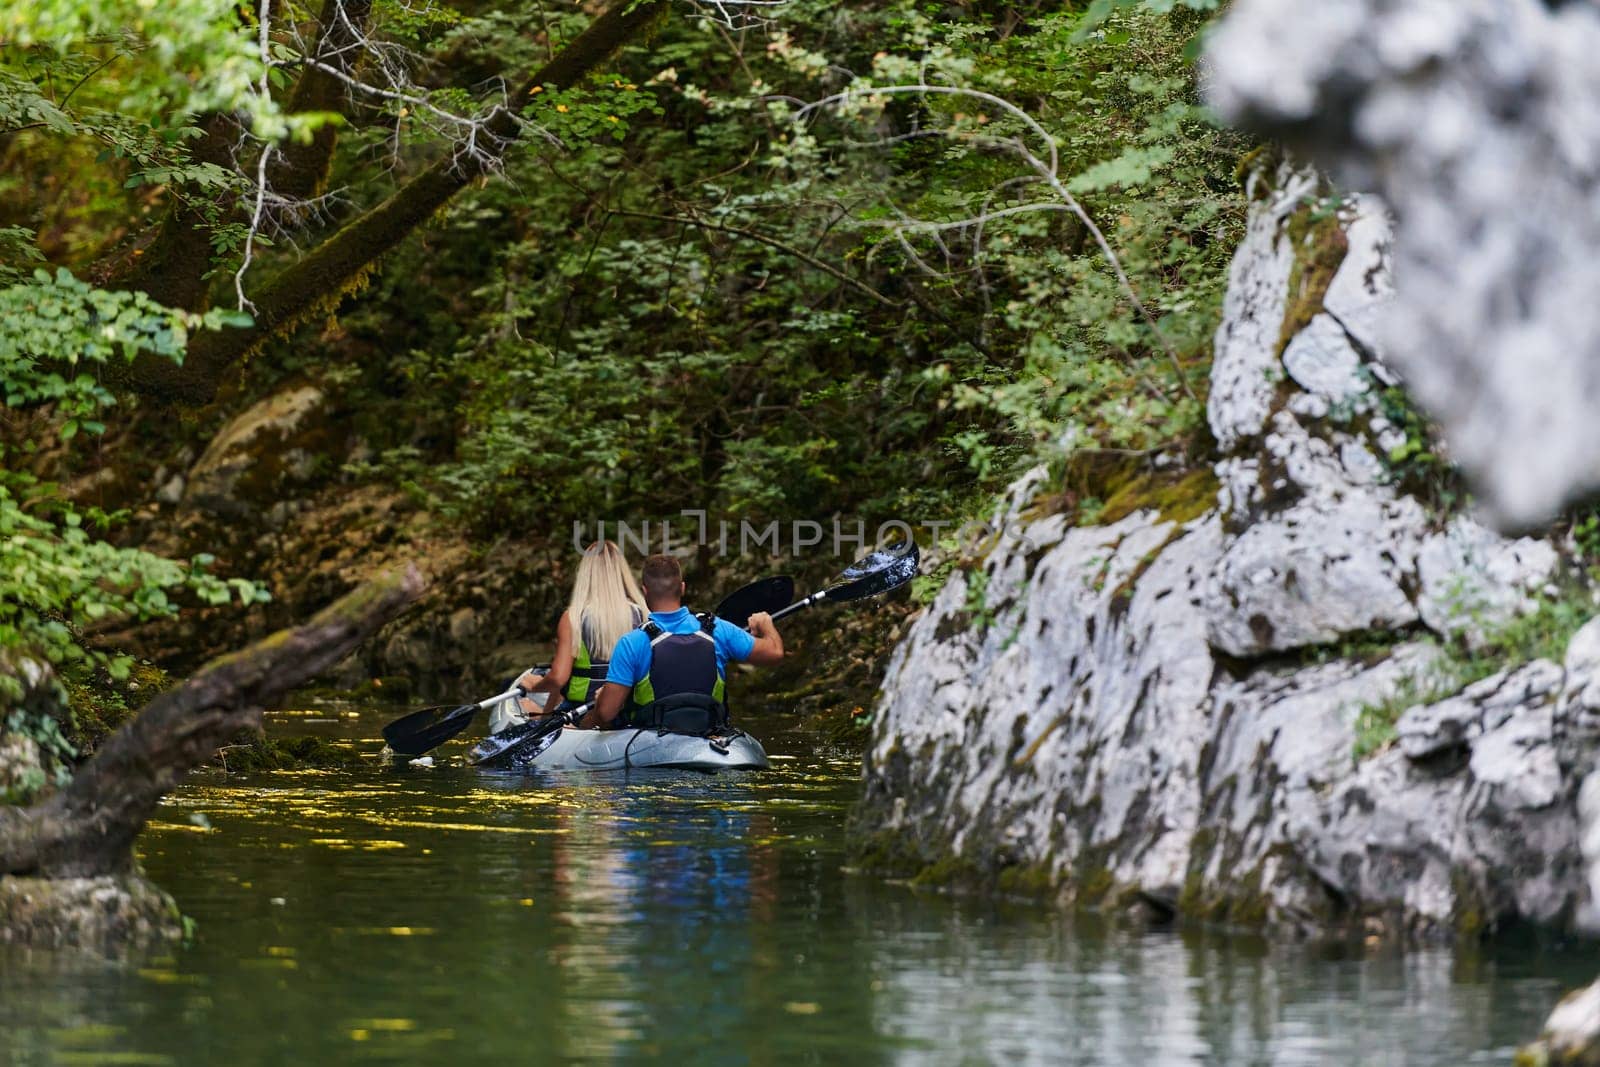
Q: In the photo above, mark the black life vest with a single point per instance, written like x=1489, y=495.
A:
x=681, y=691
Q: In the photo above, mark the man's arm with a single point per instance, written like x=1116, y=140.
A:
x=607, y=706
x=768, y=648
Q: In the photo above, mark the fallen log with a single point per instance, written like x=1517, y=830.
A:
x=87, y=829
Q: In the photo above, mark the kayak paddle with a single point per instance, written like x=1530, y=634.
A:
x=768, y=594
x=877, y=572
x=429, y=728
x=502, y=746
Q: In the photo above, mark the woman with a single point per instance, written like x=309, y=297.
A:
x=606, y=603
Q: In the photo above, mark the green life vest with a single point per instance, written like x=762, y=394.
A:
x=588, y=673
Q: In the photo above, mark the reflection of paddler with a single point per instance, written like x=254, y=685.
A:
x=595, y=878
x=595, y=871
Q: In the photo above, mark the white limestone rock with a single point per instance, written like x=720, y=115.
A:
x=1478, y=122
x=1472, y=580
x=1244, y=371
x=1583, y=667
x=1090, y=732
x=1113, y=725
x=1323, y=547
x=1314, y=574
x=1571, y=1035
x=1322, y=361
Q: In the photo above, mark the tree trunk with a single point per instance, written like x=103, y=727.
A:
x=88, y=828
x=301, y=170
x=315, y=284
x=170, y=260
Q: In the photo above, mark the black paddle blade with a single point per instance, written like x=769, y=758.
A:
x=516, y=743
x=887, y=568
x=429, y=728
x=768, y=594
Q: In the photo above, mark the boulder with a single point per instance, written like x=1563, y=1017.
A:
x=1476, y=121
x=258, y=454
x=110, y=914
x=1167, y=712
x=1571, y=1036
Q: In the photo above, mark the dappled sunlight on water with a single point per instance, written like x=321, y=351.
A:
x=411, y=915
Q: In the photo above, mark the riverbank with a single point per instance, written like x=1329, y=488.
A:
x=1331, y=702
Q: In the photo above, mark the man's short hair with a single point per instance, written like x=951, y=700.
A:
x=662, y=577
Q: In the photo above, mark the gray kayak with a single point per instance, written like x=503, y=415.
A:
x=615, y=750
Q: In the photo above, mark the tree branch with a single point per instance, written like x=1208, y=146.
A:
x=300, y=171
x=88, y=829
x=1048, y=170
x=317, y=282
x=770, y=242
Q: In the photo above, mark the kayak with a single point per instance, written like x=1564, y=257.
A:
x=618, y=750
x=615, y=750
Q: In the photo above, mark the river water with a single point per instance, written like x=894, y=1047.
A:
x=448, y=915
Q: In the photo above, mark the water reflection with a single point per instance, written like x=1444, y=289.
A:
x=1035, y=991
x=427, y=917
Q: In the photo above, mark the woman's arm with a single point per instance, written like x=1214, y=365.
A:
x=555, y=681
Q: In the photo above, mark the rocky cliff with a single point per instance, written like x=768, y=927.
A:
x=1476, y=121
x=1259, y=713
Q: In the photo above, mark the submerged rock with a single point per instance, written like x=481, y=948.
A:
x=1167, y=712
x=110, y=914
x=1571, y=1035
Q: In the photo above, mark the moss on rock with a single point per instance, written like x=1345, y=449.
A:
x=110, y=914
x=1317, y=236
x=258, y=753
x=99, y=704
x=1178, y=496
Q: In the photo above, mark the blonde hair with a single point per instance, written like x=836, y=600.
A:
x=606, y=602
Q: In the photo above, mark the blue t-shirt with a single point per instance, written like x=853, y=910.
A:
x=630, y=660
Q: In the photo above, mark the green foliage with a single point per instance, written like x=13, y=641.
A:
x=690, y=293
x=190, y=55
x=55, y=752
x=56, y=577
x=1540, y=633
x=57, y=573
x=98, y=703
x=1099, y=12
x=1586, y=535
x=701, y=304
x=1415, y=464
x=977, y=603
x=53, y=326
x=600, y=109
x=1375, y=722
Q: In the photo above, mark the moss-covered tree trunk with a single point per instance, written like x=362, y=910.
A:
x=301, y=170
x=88, y=829
x=316, y=283
x=171, y=260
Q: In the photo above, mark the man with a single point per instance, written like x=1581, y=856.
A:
x=676, y=653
